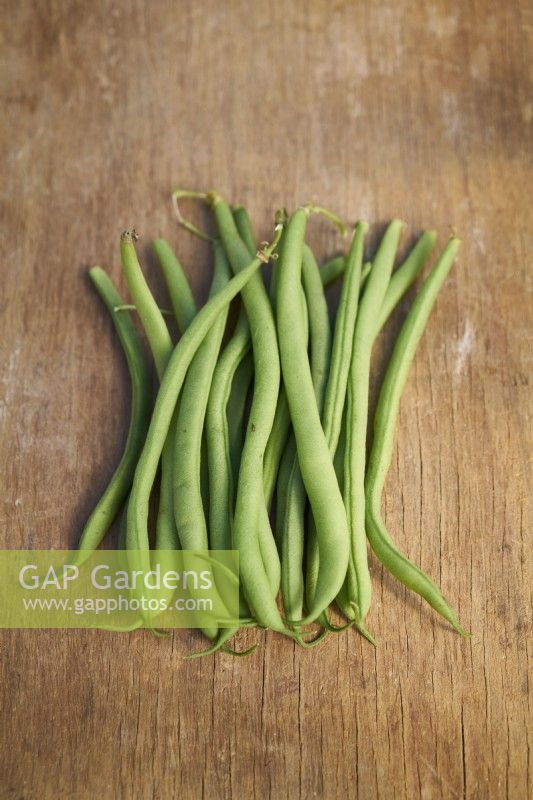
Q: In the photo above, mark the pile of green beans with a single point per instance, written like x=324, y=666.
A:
x=260, y=430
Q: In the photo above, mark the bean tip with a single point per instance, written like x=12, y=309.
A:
x=129, y=236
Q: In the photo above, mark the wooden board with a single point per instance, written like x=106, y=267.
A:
x=422, y=110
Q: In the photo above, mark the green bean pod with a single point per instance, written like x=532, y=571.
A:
x=236, y=409
x=188, y=505
x=335, y=392
x=189, y=512
x=244, y=227
x=405, y=275
x=291, y=517
x=219, y=449
x=402, y=278
x=118, y=487
x=313, y=453
x=251, y=524
x=161, y=346
x=181, y=297
x=225, y=425
x=282, y=420
x=266, y=543
x=383, y=441
x=357, y=412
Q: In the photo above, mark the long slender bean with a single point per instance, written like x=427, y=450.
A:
x=335, y=393
x=222, y=418
x=292, y=518
x=188, y=503
x=118, y=487
x=282, y=421
x=236, y=409
x=343, y=340
x=405, y=275
x=161, y=347
x=357, y=412
x=313, y=453
x=244, y=227
x=221, y=480
x=181, y=297
x=250, y=502
x=383, y=441
x=188, y=506
x=401, y=280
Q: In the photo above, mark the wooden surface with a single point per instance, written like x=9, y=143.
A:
x=375, y=109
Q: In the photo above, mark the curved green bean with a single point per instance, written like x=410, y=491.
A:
x=189, y=512
x=229, y=421
x=383, y=441
x=282, y=420
x=357, y=412
x=250, y=501
x=291, y=518
x=341, y=350
x=335, y=393
x=219, y=451
x=161, y=347
x=405, y=275
x=188, y=505
x=313, y=453
x=118, y=487
x=236, y=409
x=402, y=278
x=181, y=297
x=244, y=227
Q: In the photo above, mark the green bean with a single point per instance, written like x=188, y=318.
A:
x=250, y=501
x=332, y=269
x=335, y=393
x=244, y=374
x=188, y=506
x=236, y=408
x=185, y=310
x=222, y=418
x=313, y=453
x=118, y=487
x=244, y=227
x=181, y=297
x=292, y=516
x=161, y=347
x=405, y=275
x=137, y=534
x=282, y=421
x=357, y=412
x=287, y=480
x=319, y=327
x=399, y=283
x=383, y=441
x=219, y=453
x=149, y=312
x=343, y=340
x=290, y=523
x=276, y=445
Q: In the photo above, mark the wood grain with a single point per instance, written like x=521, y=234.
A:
x=422, y=110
